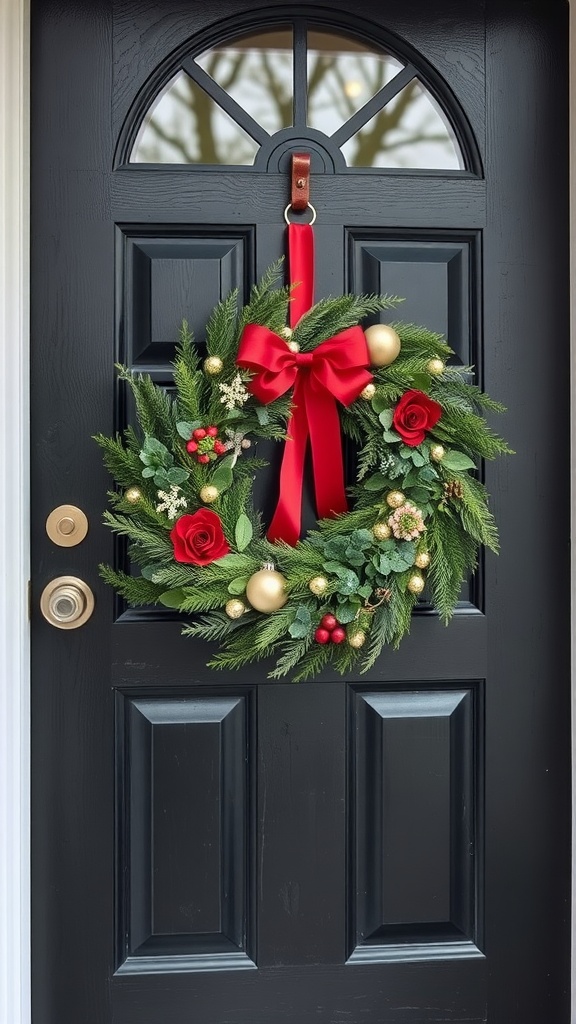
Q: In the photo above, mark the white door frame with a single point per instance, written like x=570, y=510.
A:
x=14, y=528
x=14, y=503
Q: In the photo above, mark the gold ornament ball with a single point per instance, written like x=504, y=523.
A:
x=435, y=367
x=368, y=393
x=318, y=585
x=209, y=493
x=133, y=495
x=394, y=499
x=213, y=365
x=416, y=583
x=437, y=452
x=266, y=590
x=235, y=609
x=294, y=346
x=422, y=560
x=381, y=531
x=383, y=344
x=287, y=333
x=357, y=639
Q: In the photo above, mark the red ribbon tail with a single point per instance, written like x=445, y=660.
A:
x=327, y=458
x=287, y=518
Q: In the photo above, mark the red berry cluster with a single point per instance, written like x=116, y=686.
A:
x=205, y=444
x=329, y=630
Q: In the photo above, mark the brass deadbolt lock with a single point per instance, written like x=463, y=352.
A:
x=67, y=526
x=67, y=602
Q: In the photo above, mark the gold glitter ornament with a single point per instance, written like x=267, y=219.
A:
x=416, y=583
x=133, y=495
x=213, y=365
x=381, y=531
x=368, y=392
x=209, y=493
x=437, y=452
x=286, y=332
x=422, y=560
x=294, y=346
x=435, y=366
x=235, y=608
x=394, y=499
x=318, y=585
x=266, y=589
x=383, y=344
x=357, y=639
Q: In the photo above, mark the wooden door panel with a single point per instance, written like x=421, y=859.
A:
x=415, y=842
x=184, y=832
x=436, y=276
x=167, y=275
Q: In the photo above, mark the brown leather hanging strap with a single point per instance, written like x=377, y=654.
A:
x=300, y=181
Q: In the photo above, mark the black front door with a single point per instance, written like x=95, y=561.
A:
x=223, y=849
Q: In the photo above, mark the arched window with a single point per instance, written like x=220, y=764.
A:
x=233, y=103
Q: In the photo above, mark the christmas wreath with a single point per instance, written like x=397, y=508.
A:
x=185, y=481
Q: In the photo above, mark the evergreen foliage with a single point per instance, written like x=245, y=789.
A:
x=367, y=576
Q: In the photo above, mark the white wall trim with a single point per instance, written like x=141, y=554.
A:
x=14, y=521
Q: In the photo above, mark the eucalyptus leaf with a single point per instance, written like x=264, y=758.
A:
x=147, y=571
x=385, y=418
x=243, y=532
x=457, y=461
x=421, y=381
x=238, y=585
x=347, y=611
x=222, y=478
x=177, y=475
x=148, y=472
x=186, y=429
x=376, y=482
x=172, y=598
x=302, y=623
x=379, y=403
x=391, y=437
x=263, y=415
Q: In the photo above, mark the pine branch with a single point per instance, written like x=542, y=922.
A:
x=222, y=326
x=452, y=554
x=156, y=410
x=332, y=315
x=155, y=546
x=134, y=589
x=292, y=654
x=470, y=433
x=216, y=627
x=122, y=463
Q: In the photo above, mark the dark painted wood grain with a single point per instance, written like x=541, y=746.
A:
x=291, y=895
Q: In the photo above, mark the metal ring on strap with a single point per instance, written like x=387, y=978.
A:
x=309, y=207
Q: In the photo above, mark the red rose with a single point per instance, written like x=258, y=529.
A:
x=414, y=415
x=199, y=538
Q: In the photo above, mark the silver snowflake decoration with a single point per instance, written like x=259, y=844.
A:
x=234, y=394
x=237, y=443
x=171, y=502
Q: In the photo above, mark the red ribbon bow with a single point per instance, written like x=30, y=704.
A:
x=335, y=370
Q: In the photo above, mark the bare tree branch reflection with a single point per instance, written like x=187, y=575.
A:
x=187, y=126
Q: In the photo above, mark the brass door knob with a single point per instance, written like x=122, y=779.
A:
x=67, y=526
x=67, y=602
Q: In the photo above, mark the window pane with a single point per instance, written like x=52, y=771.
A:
x=410, y=131
x=343, y=74
x=257, y=71
x=185, y=126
